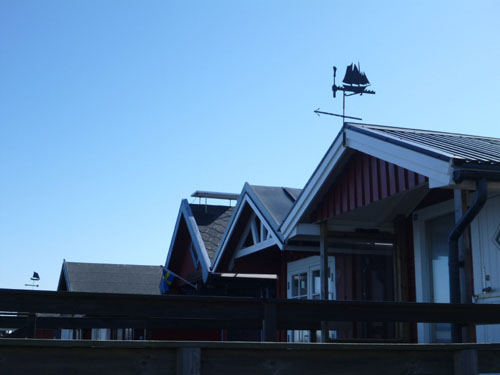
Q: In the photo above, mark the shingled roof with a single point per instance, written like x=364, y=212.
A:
x=212, y=221
x=109, y=278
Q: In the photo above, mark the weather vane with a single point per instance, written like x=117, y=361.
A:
x=355, y=82
x=33, y=278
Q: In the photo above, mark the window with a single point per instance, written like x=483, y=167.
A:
x=304, y=282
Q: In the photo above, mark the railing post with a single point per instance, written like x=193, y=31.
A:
x=30, y=326
x=465, y=362
x=269, y=325
x=188, y=361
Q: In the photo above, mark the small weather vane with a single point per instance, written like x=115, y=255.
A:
x=33, y=278
x=355, y=82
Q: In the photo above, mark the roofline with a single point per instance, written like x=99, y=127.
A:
x=413, y=130
x=396, y=141
x=437, y=166
x=194, y=232
x=317, y=179
x=64, y=273
x=247, y=196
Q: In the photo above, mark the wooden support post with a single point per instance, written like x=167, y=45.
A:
x=269, y=324
x=401, y=277
x=465, y=362
x=465, y=259
x=188, y=361
x=323, y=271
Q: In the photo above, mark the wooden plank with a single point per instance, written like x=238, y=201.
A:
x=375, y=180
x=289, y=312
x=366, y=180
x=402, y=183
x=188, y=361
x=465, y=362
x=351, y=188
x=120, y=322
x=86, y=360
x=154, y=357
x=384, y=185
x=359, y=181
x=243, y=362
x=269, y=323
x=392, y=178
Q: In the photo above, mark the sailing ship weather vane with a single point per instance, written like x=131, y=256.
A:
x=355, y=82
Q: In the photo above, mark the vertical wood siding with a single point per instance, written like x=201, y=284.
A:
x=364, y=180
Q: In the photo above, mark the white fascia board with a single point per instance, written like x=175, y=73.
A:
x=236, y=215
x=263, y=220
x=254, y=248
x=199, y=245
x=305, y=230
x=438, y=171
x=317, y=180
x=229, y=229
x=174, y=236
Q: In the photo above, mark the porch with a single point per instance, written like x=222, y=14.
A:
x=32, y=310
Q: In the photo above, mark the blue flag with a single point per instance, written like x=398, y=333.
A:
x=166, y=280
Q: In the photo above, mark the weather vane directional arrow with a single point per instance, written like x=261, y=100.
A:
x=318, y=112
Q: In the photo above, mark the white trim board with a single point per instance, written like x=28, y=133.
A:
x=312, y=187
x=438, y=171
x=273, y=240
x=196, y=239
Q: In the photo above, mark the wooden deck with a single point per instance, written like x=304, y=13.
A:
x=24, y=356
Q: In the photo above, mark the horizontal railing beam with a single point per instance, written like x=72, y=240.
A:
x=129, y=311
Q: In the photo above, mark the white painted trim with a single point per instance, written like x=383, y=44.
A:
x=229, y=229
x=305, y=230
x=312, y=187
x=422, y=258
x=196, y=239
x=254, y=248
x=437, y=170
x=174, y=236
x=245, y=233
x=255, y=231
x=245, y=199
x=340, y=250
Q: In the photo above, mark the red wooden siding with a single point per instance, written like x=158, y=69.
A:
x=364, y=180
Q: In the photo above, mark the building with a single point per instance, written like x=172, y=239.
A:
x=380, y=218
x=108, y=278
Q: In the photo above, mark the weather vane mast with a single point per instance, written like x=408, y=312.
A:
x=355, y=82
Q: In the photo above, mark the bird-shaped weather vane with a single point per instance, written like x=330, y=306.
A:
x=355, y=82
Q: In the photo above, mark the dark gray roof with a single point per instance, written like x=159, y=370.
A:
x=277, y=201
x=112, y=278
x=212, y=221
x=446, y=146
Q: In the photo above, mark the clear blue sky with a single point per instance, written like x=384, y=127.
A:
x=111, y=112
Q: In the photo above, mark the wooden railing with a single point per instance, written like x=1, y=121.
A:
x=43, y=309
x=216, y=358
